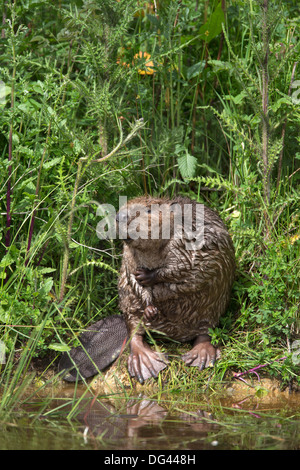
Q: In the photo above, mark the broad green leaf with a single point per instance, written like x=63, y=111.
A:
x=46, y=286
x=7, y=260
x=4, y=91
x=213, y=26
x=238, y=98
x=47, y=270
x=195, y=70
x=51, y=163
x=187, y=165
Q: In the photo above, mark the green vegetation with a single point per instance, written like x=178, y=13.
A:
x=214, y=85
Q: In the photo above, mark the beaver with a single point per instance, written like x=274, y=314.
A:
x=175, y=278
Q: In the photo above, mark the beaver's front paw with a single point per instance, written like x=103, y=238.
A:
x=150, y=312
x=146, y=277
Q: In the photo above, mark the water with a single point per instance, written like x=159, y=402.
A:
x=173, y=423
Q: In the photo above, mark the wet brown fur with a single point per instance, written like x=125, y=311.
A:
x=192, y=288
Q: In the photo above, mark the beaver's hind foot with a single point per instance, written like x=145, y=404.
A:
x=143, y=363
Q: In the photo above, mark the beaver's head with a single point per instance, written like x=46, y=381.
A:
x=145, y=221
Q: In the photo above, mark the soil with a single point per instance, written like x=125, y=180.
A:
x=116, y=379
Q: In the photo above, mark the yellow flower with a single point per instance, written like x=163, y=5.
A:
x=149, y=65
x=294, y=238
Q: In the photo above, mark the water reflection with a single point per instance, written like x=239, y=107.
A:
x=144, y=424
x=121, y=423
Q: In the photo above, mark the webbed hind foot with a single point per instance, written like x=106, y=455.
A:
x=143, y=362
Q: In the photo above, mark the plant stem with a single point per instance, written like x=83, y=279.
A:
x=10, y=143
x=69, y=230
x=265, y=100
x=3, y=21
x=284, y=128
x=36, y=196
x=138, y=125
x=239, y=374
x=265, y=117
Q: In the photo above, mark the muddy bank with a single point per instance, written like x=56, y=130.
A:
x=177, y=378
x=265, y=389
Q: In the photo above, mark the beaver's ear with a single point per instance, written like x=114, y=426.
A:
x=176, y=208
